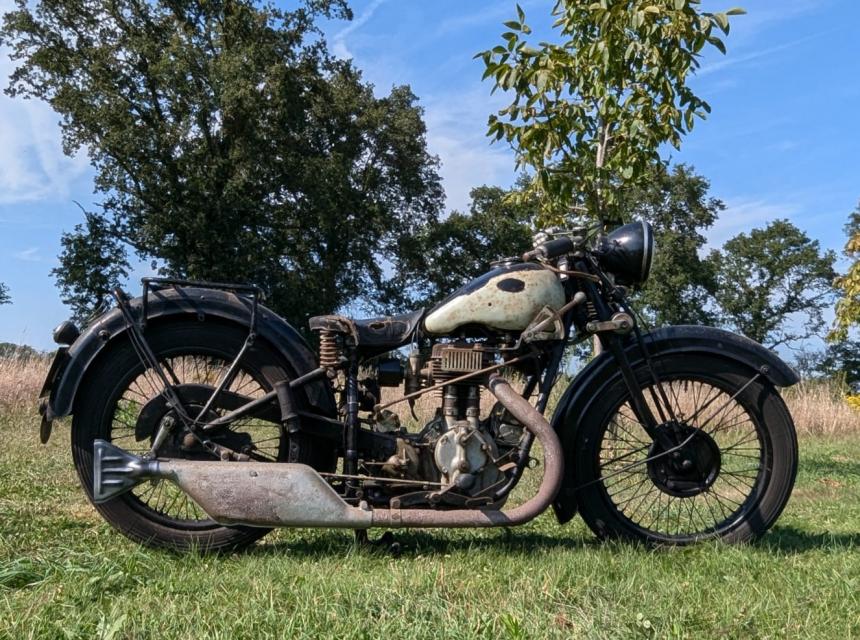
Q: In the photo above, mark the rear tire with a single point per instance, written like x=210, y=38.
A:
x=743, y=470
x=95, y=416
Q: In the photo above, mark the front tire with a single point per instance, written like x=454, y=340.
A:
x=109, y=404
x=732, y=478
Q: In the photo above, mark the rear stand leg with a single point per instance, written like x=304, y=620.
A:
x=386, y=542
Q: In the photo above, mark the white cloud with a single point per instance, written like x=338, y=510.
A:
x=456, y=120
x=32, y=164
x=732, y=60
x=29, y=255
x=456, y=124
x=744, y=214
x=338, y=41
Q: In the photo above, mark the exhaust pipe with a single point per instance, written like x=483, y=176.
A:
x=553, y=473
x=295, y=495
x=256, y=494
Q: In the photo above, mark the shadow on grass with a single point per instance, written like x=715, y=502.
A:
x=793, y=540
x=415, y=542
x=821, y=467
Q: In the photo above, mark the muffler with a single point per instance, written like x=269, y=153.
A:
x=295, y=495
x=250, y=493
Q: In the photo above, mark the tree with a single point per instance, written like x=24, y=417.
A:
x=446, y=254
x=12, y=351
x=839, y=362
x=681, y=287
x=4, y=294
x=91, y=264
x=228, y=144
x=848, y=285
x=774, y=283
x=591, y=113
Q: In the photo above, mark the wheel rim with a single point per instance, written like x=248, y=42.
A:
x=161, y=500
x=710, y=418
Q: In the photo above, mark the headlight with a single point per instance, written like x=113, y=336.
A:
x=627, y=253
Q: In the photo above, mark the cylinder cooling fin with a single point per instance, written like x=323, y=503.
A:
x=453, y=360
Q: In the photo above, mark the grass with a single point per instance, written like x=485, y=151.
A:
x=66, y=574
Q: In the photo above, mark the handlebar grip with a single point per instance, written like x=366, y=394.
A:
x=551, y=249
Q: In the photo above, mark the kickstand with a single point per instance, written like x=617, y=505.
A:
x=386, y=541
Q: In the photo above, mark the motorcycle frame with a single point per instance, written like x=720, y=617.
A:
x=601, y=306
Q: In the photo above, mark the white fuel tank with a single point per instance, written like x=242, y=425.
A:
x=507, y=299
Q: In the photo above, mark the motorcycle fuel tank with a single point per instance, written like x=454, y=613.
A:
x=507, y=299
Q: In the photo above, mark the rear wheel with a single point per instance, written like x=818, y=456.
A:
x=120, y=402
x=728, y=475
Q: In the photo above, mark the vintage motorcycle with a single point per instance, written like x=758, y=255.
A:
x=201, y=419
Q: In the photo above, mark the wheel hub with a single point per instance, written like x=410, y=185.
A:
x=690, y=470
x=180, y=442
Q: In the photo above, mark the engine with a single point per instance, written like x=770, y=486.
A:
x=457, y=451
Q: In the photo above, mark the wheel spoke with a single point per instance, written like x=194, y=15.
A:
x=625, y=456
x=262, y=440
x=710, y=418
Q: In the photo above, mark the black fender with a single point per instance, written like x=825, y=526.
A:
x=173, y=303
x=587, y=387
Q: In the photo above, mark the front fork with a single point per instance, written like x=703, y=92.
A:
x=610, y=329
x=638, y=402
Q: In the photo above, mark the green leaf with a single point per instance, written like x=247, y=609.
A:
x=513, y=24
x=542, y=80
x=628, y=53
x=736, y=11
x=521, y=14
x=718, y=44
x=627, y=63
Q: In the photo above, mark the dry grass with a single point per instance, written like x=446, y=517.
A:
x=21, y=380
x=817, y=408
x=820, y=409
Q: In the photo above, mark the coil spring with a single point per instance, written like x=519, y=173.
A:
x=329, y=349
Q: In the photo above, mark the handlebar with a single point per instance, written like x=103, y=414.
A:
x=553, y=249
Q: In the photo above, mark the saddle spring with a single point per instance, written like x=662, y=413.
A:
x=330, y=351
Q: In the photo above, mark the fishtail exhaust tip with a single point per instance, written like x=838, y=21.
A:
x=116, y=471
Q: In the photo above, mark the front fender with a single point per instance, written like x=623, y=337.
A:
x=588, y=385
x=195, y=302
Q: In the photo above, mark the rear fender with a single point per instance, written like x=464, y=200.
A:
x=587, y=388
x=199, y=303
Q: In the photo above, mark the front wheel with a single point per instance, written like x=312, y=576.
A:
x=728, y=475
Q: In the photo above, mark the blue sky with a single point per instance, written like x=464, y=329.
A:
x=782, y=140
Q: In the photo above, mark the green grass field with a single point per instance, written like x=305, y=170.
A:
x=66, y=574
